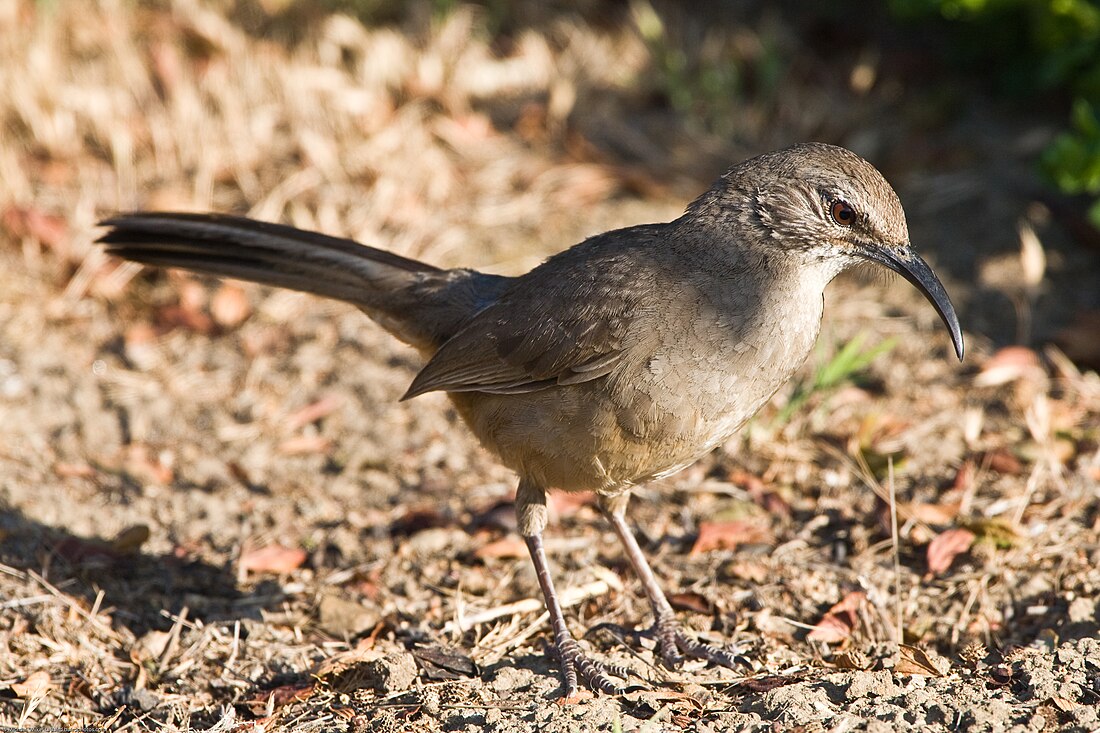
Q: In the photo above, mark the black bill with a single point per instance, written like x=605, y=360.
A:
x=909, y=265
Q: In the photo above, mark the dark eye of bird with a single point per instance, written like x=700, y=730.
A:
x=842, y=213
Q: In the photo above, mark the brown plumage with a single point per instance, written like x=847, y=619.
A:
x=619, y=360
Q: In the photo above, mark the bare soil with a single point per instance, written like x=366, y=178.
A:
x=215, y=514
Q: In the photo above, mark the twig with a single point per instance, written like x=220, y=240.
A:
x=569, y=597
x=894, y=539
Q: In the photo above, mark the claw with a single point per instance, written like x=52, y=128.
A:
x=577, y=666
x=674, y=646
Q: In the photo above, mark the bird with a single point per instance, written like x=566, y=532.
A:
x=617, y=361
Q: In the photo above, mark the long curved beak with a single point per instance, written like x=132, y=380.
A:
x=909, y=265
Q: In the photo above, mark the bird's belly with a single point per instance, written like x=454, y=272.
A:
x=576, y=438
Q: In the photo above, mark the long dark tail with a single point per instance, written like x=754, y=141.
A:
x=420, y=304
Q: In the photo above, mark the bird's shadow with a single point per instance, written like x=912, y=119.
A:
x=142, y=591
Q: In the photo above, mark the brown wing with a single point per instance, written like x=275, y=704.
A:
x=569, y=320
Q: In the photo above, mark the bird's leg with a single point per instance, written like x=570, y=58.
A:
x=575, y=665
x=672, y=643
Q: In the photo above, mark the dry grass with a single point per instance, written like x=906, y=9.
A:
x=150, y=441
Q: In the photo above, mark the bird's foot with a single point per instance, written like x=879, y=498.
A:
x=674, y=646
x=576, y=667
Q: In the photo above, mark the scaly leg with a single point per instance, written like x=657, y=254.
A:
x=672, y=643
x=575, y=665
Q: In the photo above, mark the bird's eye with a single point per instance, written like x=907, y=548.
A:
x=842, y=213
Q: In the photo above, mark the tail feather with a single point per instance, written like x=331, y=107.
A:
x=420, y=304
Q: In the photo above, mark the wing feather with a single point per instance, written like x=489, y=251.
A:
x=545, y=330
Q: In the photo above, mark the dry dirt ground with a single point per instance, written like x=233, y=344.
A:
x=215, y=515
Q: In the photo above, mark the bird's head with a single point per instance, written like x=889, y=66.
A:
x=829, y=205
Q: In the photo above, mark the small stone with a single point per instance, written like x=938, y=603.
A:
x=343, y=618
x=511, y=678
x=394, y=672
x=1082, y=609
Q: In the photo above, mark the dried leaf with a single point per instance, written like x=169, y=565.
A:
x=770, y=682
x=937, y=514
x=964, y=478
x=152, y=645
x=853, y=659
x=130, y=540
x=50, y=230
x=1008, y=365
x=272, y=559
x=188, y=314
x=693, y=602
x=729, y=535
x=282, y=695
x=912, y=660
x=444, y=662
x=341, y=662
x=154, y=467
x=946, y=546
x=1003, y=461
x=839, y=621
x=34, y=686
x=770, y=500
x=505, y=547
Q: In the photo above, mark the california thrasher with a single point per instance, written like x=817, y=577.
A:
x=620, y=360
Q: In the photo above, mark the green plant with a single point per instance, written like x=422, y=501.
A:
x=1034, y=46
x=1073, y=160
x=844, y=367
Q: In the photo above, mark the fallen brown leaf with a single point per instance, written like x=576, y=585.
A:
x=130, y=540
x=912, y=660
x=280, y=696
x=930, y=513
x=505, y=547
x=145, y=463
x=946, y=546
x=80, y=550
x=756, y=487
x=839, y=621
x=341, y=662
x=188, y=314
x=35, y=685
x=729, y=535
x=853, y=659
x=693, y=602
x=964, y=478
x=272, y=559
x=1003, y=461
x=1008, y=365
x=48, y=229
